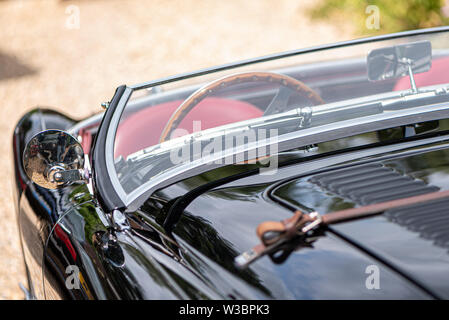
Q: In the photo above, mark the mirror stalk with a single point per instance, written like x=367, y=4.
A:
x=67, y=176
x=412, y=79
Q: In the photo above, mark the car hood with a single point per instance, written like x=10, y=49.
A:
x=407, y=250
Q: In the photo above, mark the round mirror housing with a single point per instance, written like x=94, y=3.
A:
x=53, y=159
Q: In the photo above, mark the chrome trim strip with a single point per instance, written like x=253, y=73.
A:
x=314, y=166
x=288, y=141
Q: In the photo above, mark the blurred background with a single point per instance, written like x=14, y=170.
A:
x=71, y=55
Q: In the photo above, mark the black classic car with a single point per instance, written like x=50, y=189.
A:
x=165, y=193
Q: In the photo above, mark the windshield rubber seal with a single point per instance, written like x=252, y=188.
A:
x=104, y=189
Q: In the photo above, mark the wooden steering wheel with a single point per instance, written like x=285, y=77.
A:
x=279, y=102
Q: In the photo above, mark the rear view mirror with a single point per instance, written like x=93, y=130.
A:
x=401, y=60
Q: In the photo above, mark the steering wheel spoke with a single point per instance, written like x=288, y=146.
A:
x=279, y=102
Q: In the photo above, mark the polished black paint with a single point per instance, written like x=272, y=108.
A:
x=182, y=242
x=194, y=259
x=221, y=224
x=67, y=227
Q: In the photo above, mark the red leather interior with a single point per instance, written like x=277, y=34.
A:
x=438, y=74
x=143, y=128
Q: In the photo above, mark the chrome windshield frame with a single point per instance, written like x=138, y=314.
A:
x=133, y=200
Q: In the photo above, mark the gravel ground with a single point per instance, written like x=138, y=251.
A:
x=45, y=59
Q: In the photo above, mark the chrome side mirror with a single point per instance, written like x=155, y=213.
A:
x=54, y=159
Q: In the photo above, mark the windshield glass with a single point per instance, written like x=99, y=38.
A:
x=246, y=113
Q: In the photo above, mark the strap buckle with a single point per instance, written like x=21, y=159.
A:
x=312, y=225
x=274, y=234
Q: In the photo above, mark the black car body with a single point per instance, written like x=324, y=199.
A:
x=181, y=238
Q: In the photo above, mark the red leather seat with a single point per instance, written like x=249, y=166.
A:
x=438, y=74
x=143, y=128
